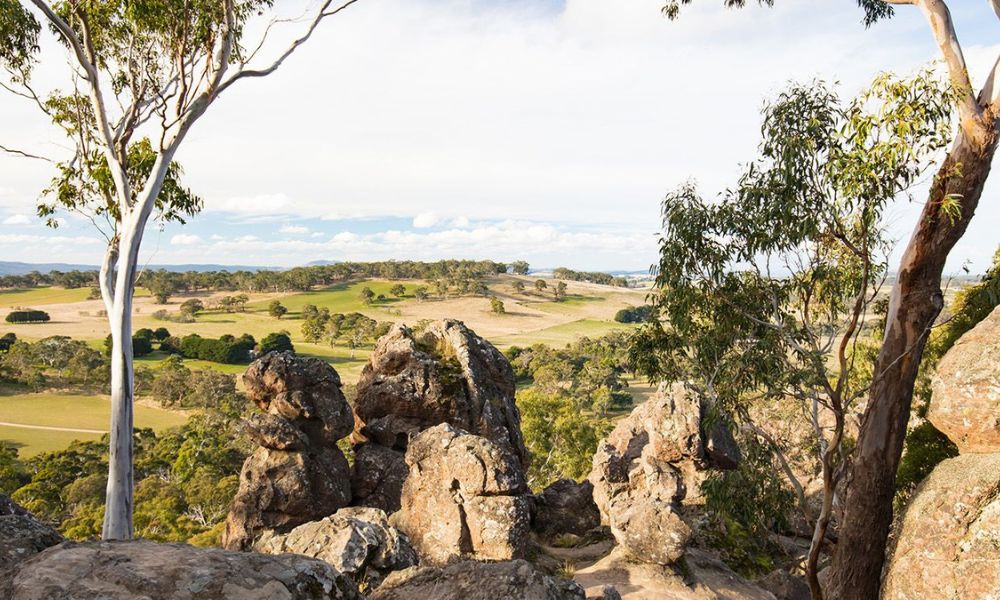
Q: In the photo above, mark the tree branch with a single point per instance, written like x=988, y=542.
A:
x=320, y=15
x=24, y=154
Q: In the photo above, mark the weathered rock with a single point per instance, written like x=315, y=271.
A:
x=965, y=403
x=464, y=498
x=470, y=580
x=358, y=542
x=128, y=570
x=377, y=477
x=949, y=539
x=280, y=490
x=785, y=586
x=445, y=374
x=304, y=391
x=566, y=507
x=704, y=578
x=21, y=537
x=298, y=474
x=643, y=469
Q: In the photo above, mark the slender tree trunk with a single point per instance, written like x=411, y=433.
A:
x=915, y=303
x=119, y=505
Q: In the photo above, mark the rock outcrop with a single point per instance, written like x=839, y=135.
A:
x=565, y=507
x=470, y=580
x=465, y=498
x=356, y=541
x=949, y=538
x=948, y=541
x=21, y=537
x=966, y=389
x=297, y=474
x=377, y=476
x=413, y=381
x=128, y=570
x=643, y=470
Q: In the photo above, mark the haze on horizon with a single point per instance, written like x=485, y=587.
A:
x=538, y=130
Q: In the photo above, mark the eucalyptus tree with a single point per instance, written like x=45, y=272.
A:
x=763, y=294
x=141, y=75
x=916, y=299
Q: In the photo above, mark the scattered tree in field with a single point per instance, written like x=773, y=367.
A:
x=27, y=315
x=276, y=309
x=398, y=290
x=367, y=296
x=231, y=304
x=812, y=205
x=519, y=267
x=161, y=284
x=496, y=305
x=517, y=286
x=540, y=284
x=192, y=307
x=441, y=287
x=156, y=68
x=481, y=289
x=420, y=293
x=559, y=292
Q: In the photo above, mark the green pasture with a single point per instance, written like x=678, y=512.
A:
x=342, y=298
x=31, y=297
x=560, y=335
x=70, y=411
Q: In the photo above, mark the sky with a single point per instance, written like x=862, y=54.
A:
x=542, y=130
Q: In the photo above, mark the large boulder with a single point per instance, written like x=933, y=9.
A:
x=127, y=570
x=643, y=470
x=966, y=389
x=477, y=581
x=565, y=507
x=377, y=476
x=21, y=537
x=464, y=498
x=298, y=474
x=358, y=542
x=444, y=374
x=949, y=538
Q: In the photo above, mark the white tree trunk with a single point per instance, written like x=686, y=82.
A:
x=119, y=505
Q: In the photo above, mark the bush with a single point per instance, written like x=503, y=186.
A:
x=227, y=349
x=634, y=314
x=7, y=341
x=161, y=334
x=276, y=342
x=27, y=315
x=141, y=345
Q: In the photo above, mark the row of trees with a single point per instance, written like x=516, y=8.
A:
x=589, y=276
x=27, y=315
x=352, y=329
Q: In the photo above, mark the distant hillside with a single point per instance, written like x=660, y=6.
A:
x=20, y=268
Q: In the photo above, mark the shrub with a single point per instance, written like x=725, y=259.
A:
x=276, y=342
x=634, y=314
x=227, y=349
x=27, y=315
x=7, y=341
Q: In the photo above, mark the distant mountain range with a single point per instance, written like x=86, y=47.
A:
x=20, y=268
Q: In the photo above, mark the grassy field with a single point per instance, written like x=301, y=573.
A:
x=560, y=335
x=342, y=298
x=41, y=296
x=66, y=411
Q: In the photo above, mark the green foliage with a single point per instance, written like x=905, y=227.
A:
x=142, y=344
x=496, y=305
x=19, y=32
x=354, y=329
x=592, y=277
x=226, y=350
x=562, y=440
x=276, y=342
x=276, y=310
x=744, y=505
x=398, y=290
x=160, y=284
x=27, y=315
x=176, y=386
x=420, y=293
x=192, y=307
x=12, y=472
x=6, y=341
x=559, y=292
x=185, y=477
x=875, y=10
x=634, y=314
x=367, y=295
x=55, y=360
x=540, y=284
x=519, y=267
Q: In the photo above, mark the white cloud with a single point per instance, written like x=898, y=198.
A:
x=17, y=220
x=460, y=222
x=294, y=230
x=185, y=239
x=425, y=220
